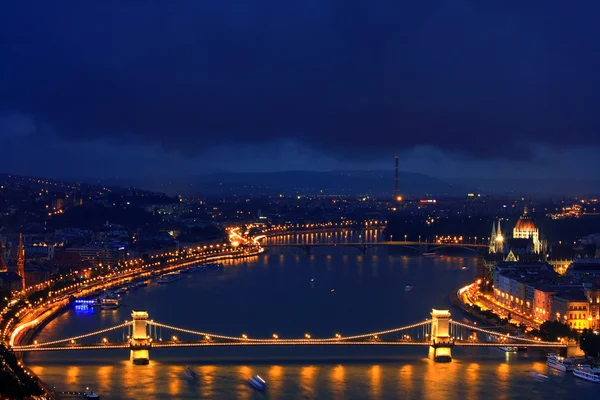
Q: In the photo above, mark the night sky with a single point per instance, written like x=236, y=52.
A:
x=456, y=88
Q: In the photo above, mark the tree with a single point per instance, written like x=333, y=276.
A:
x=589, y=343
x=552, y=330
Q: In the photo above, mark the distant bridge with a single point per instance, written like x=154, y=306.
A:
x=140, y=335
x=364, y=246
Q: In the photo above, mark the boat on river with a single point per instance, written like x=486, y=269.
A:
x=258, y=383
x=588, y=373
x=560, y=363
x=168, y=278
x=110, y=304
x=190, y=373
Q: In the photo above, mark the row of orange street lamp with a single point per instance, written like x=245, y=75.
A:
x=112, y=279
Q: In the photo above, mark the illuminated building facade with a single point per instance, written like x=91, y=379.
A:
x=527, y=229
x=496, y=240
x=573, y=309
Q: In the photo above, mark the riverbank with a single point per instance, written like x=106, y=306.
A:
x=13, y=386
x=480, y=318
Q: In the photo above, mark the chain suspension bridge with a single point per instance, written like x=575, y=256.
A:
x=439, y=332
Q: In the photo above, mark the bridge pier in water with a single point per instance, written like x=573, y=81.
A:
x=139, y=342
x=440, y=349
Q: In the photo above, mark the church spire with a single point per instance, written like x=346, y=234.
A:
x=499, y=233
x=492, y=247
x=21, y=261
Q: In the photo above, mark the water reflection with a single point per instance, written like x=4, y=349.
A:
x=406, y=381
x=243, y=391
x=207, y=378
x=307, y=380
x=175, y=377
x=502, y=373
x=72, y=375
x=375, y=375
x=338, y=380
x=472, y=380
x=275, y=379
x=105, y=376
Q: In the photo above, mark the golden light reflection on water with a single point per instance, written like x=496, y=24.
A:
x=502, y=376
x=72, y=375
x=139, y=378
x=104, y=376
x=207, y=379
x=472, y=380
x=539, y=367
x=37, y=370
x=338, y=380
x=375, y=377
x=307, y=380
x=275, y=381
x=243, y=391
x=502, y=371
x=405, y=380
x=175, y=377
x=244, y=372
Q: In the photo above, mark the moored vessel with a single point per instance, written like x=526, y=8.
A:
x=560, y=363
x=588, y=373
x=169, y=277
x=110, y=304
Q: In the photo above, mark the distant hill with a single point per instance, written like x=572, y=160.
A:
x=377, y=183
x=545, y=187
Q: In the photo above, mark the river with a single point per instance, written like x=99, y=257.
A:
x=273, y=293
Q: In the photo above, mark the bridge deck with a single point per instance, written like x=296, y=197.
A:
x=283, y=343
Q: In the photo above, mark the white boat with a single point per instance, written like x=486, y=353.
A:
x=588, y=373
x=258, y=383
x=539, y=376
x=110, y=304
x=408, y=288
x=509, y=349
x=430, y=254
x=168, y=278
x=560, y=363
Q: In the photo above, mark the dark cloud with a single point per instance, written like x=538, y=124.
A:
x=352, y=78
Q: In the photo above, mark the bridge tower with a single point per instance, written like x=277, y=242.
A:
x=441, y=342
x=140, y=343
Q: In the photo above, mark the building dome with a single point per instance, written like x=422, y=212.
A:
x=525, y=225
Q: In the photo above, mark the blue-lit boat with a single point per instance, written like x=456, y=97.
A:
x=258, y=383
x=190, y=373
